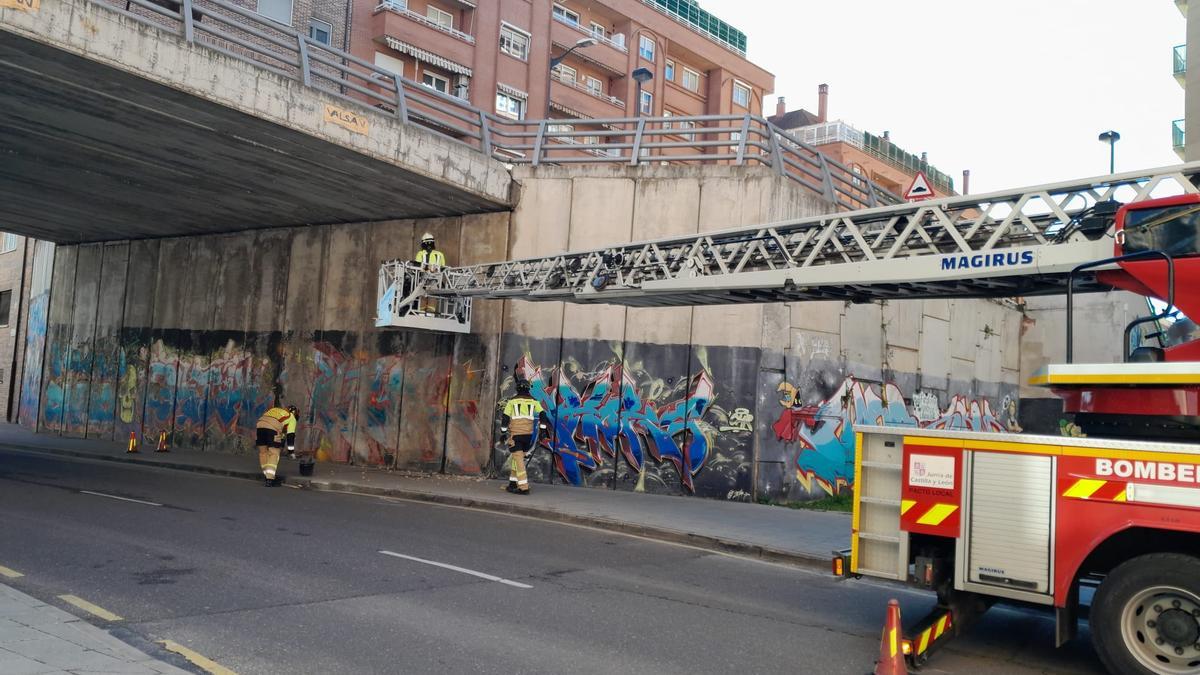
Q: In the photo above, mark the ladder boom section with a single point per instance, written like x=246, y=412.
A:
x=1002, y=244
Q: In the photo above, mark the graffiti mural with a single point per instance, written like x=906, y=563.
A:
x=824, y=431
x=35, y=349
x=656, y=429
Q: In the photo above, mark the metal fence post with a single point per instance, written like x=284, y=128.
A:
x=305, y=66
x=776, y=152
x=637, y=141
x=537, y=142
x=741, y=148
x=189, y=31
x=401, y=99
x=485, y=134
x=827, y=179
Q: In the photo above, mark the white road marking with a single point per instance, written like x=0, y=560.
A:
x=124, y=499
x=456, y=568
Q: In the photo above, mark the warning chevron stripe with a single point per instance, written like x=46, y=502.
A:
x=932, y=633
x=1095, y=489
x=936, y=514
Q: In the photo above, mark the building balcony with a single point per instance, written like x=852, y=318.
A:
x=577, y=96
x=564, y=35
x=399, y=8
x=617, y=44
x=1179, y=63
x=1182, y=5
x=1178, y=138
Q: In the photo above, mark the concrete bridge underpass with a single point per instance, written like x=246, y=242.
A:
x=116, y=129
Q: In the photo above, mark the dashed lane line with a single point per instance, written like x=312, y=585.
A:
x=124, y=499
x=90, y=608
x=196, y=658
x=461, y=570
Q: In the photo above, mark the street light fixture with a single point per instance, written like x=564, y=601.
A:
x=581, y=43
x=1111, y=137
x=641, y=76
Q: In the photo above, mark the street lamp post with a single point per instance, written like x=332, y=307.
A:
x=555, y=60
x=1111, y=137
x=641, y=76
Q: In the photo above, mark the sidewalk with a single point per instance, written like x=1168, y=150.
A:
x=769, y=532
x=37, y=638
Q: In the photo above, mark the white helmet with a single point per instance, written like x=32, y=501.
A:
x=426, y=237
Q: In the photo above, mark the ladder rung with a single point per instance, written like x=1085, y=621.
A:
x=882, y=465
x=880, y=500
x=879, y=537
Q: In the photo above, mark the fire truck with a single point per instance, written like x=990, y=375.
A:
x=980, y=518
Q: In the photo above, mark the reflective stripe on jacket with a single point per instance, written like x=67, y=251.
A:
x=522, y=410
x=434, y=257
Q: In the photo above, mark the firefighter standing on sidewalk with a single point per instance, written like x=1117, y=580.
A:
x=274, y=428
x=432, y=260
x=520, y=414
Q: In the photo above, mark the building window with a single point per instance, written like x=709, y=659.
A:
x=514, y=42
x=667, y=115
x=439, y=16
x=741, y=94
x=595, y=86
x=435, y=82
x=565, y=15
x=565, y=73
x=320, y=31
x=669, y=71
x=736, y=138
x=510, y=106
x=5, y=305
x=276, y=10
x=691, y=79
x=646, y=103
x=687, y=124
x=599, y=31
x=9, y=242
x=646, y=48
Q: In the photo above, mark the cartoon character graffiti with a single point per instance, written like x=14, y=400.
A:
x=825, y=430
x=607, y=415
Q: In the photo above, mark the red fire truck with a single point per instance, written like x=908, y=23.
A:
x=980, y=518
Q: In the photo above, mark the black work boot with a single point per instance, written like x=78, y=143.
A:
x=511, y=487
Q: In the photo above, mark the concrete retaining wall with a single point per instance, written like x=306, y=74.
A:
x=196, y=336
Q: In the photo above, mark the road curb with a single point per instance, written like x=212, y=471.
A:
x=698, y=540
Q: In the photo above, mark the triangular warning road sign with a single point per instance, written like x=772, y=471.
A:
x=919, y=188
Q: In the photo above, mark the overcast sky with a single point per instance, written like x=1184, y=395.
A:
x=1014, y=90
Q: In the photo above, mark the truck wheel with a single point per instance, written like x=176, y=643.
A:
x=1146, y=616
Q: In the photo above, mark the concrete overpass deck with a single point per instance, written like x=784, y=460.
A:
x=115, y=129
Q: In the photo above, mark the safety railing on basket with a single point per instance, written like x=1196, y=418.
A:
x=737, y=140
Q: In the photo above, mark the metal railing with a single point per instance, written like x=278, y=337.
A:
x=1179, y=61
x=402, y=9
x=592, y=34
x=738, y=140
x=1178, y=137
x=679, y=17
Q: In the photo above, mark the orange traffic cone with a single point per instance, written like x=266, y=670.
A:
x=162, y=442
x=132, y=442
x=891, y=647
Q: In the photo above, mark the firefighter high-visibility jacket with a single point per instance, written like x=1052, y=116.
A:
x=278, y=420
x=519, y=415
x=434, y=257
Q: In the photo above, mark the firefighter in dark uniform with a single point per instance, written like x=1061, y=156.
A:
x=521, y=413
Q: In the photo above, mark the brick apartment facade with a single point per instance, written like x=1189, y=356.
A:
x=496, y=54
x=875, y=157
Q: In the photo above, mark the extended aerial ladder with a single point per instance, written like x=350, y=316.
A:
x=1003, y=244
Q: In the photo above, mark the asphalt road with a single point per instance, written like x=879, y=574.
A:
x=284, y=580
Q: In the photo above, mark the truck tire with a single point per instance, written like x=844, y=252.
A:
x=1146, y=616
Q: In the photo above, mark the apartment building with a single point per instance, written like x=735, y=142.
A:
x=1185, y=132
x=497, y=55
x=873, y=156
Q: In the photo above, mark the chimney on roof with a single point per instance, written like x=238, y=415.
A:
x=780, y=106
x=925, y=157
x=966, y=181
x=887, y=135
x=822, y=102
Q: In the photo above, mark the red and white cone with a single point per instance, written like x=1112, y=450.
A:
x=891, y=647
